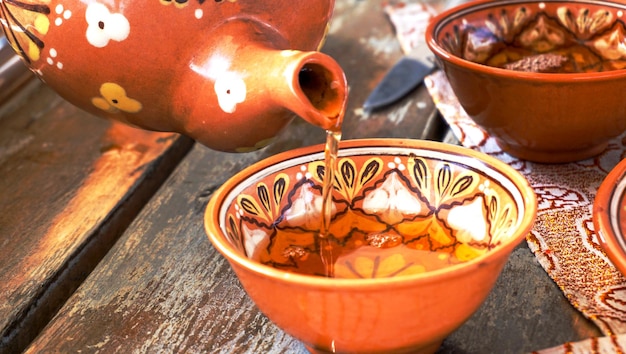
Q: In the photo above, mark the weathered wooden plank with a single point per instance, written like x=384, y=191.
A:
x=363, y=41
x=526, y=311
x=70, y=183
x=163, y=287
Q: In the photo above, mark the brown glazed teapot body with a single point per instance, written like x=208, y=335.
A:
x=227, y=73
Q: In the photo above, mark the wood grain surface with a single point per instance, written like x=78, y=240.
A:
x=162, y=287
x=70, y=183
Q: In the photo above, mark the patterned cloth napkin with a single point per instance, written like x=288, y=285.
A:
x=563, y=239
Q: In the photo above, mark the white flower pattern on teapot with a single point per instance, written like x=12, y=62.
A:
x=230, y=90
x=158, y=81
x=105, y=26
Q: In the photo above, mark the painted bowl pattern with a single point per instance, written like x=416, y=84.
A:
x=403, y=199
x=411, y=195
x=591, y=36
x=540, y=77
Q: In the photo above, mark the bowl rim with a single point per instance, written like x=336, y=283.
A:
x=212, y=227
x=606, y=202
x=448, y=15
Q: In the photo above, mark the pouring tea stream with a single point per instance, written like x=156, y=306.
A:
x=229, y=74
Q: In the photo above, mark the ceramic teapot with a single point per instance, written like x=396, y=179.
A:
x=228, y=73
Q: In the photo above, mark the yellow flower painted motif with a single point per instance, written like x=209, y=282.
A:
x=441, y=183
x=179, y=4
x=385, y=264
x=31, y=17
x=466, y=253
x=265, y=204
x=115, y=99
x=42, y=24
x=182, y=3
x=351, y=178
x=259, y=145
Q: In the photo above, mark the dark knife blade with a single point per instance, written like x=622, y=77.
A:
x=403, y=77
x=409, y=72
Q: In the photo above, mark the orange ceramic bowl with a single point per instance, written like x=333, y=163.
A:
x=567, y=111
x=609, y=219
x=431, y=195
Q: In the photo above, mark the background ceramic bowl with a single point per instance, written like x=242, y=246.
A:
x=609, y=219
x=540, y=116
x=433, y=195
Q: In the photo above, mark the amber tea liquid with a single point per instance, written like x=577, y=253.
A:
x=357, y=245
x=330, y=159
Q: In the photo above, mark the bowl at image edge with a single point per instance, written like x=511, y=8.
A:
x=609, y=220
x=542, y=117
x=379, y=312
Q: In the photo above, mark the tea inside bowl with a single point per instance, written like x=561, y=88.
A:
x=539, y=36
x=396, y=211
x=396, y=203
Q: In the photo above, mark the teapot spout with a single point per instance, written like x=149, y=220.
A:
x=316, y=89
x=238, y=96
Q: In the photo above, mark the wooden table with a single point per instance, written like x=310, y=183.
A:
x=103, y=248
